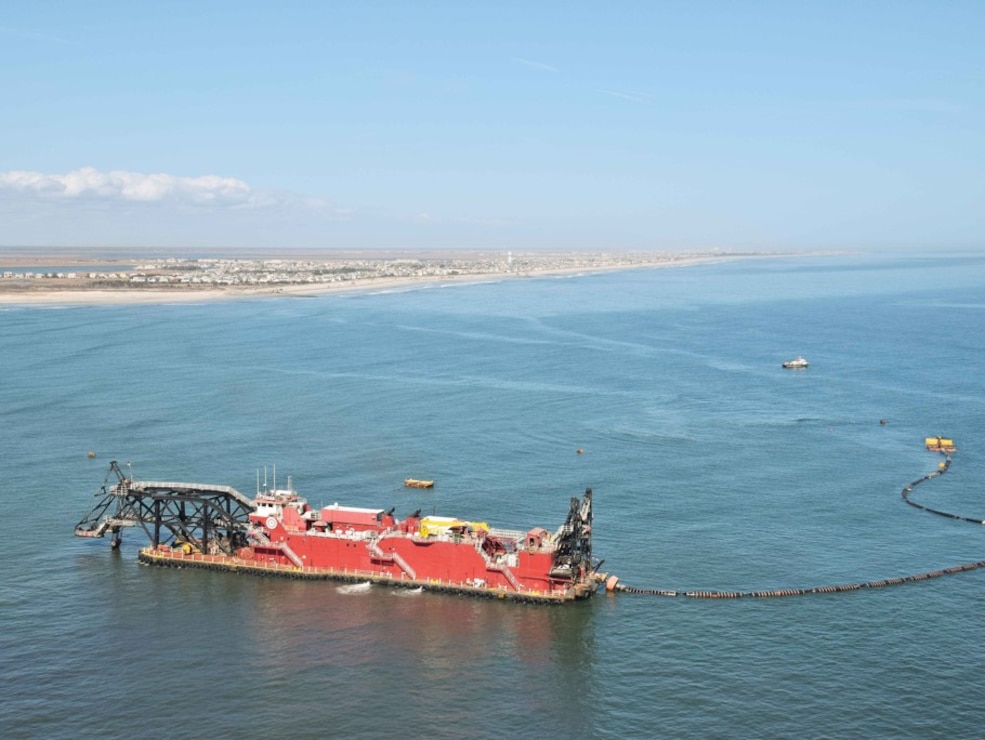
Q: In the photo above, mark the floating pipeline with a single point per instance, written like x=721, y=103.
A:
x=907, y=490
x=613, y=585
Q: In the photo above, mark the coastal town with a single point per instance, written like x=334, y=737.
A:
x=269, y=274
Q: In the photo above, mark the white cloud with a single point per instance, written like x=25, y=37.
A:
x=426, y=219
x=32, y=35
x=636, y=97
x=534, y=65
x=923, y=105
x=136, y=187
x=89, y=207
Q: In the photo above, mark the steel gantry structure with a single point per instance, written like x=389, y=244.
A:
x=205, y=517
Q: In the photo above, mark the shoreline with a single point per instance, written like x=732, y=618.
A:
x=40, y=295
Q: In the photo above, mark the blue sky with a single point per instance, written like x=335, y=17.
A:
x=493, y=125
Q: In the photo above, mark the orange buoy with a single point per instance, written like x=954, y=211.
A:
x=92, y=455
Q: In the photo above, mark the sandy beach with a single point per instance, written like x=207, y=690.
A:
x=62, y=291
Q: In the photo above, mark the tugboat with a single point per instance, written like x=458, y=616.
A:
x=798, y=363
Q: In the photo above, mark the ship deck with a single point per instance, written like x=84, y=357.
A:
x=178, y=559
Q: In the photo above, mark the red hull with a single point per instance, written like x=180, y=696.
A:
x=402, y=557
x=429, y=551
x=167, y=557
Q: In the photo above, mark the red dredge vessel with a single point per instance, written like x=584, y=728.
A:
x=279, y=533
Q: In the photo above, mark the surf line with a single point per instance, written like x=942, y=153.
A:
x=907, y=490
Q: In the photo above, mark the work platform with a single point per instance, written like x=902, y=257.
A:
x=940, y=444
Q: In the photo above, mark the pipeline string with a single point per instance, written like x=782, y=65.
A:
x=776, y=593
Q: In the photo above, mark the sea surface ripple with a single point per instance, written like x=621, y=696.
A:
x=713, y=468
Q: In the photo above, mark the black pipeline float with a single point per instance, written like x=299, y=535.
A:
x=613, y=584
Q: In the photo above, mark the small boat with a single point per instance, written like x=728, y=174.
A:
x=796, y=363
x=415, y=483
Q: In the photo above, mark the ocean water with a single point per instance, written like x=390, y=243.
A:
x=712, y=468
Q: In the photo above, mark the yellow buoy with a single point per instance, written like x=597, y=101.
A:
x=92, y=455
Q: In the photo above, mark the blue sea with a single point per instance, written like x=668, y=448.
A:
x=712, y=467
